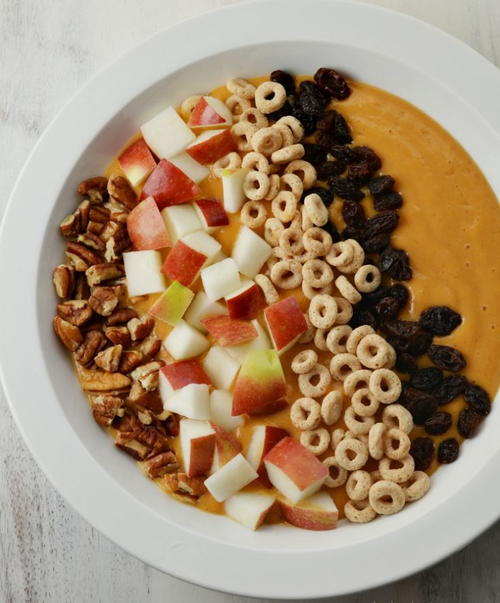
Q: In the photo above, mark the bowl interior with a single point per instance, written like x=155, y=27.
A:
x=464, y=122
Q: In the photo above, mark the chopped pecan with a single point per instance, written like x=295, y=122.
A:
x=116, y=245
x=92, y=241
x=140, y=328
x=117, y=212
x=119, y=188
x=63, y=278
x=109, y=359
x=93, y=342
x=130, y=359
x=160, y=465
x=101, y=272
x=102, y=381
x=136, y=450
x=120, y=316
x=75, y=311
x=95, y=228
x=76, y=222
x=105, y=408
x=103, y=300
x=98, y=213
x=69, y=334
x=171, y=425
x=147, y=375
x=149, y=400
x=81, y=257
x=108, y=230
x=145, y=417
x=82, y=289
x=150, y=347
x=180, y=483
x=98, y=183
x=118, y=335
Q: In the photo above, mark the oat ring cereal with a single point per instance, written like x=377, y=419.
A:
x=317, y=273
x=293, y=124
x=345, y=311
x=337, y=436
x=256, y=185
x=418, y=485
x=241, y=87
x=357, y=424
x=305, y=171
x=274, y=187
x=286, y=274
x=289, y=153
x=311, y=292
x=364, y=402
x=286, y=135
x=356, y=336
x=304, y=361
x=367, y=278
x=351, y=454
x=372, y=351
x=320, y=338
x=396, y=444
x=315, y=440
x=243, y=132
x=305, y=413
x=268, y=289
x=284, y=206
x=385, y=385
x=315, y=382
x=189, y=104
x=358, y=485
x=255, y=117
x=266, y=140
x=376, y=441
x=340, y=254
x=317, y=240
x=316, y=209
x=253, y=214
x=345, y=288
x=290, y=241
x=359, y=511
x=256, y=161
x=230, y=161
x=396, y=415
x=238, y=105
x=357, y=259
x=272, y=231
x=386, y=497
x=269, y=97
x=399, y=474
x=358, y=378
x=337, y=337
x=323, y=312
x=308, y=335
x=305, y=219
x=337, y=475
x=344, y=365
x=331, y=407
x=292, y=183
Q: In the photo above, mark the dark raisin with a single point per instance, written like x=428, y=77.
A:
x=314, y=153
x=395, y=263
x=359, y=171
x=294, y=108
x=451, y=387
x=285, y=79
x=333, y=124
x=350, y=232
x=331, y=81
x=440, y=320
x=387, y=308
x=391, y=200
x=346, y=189
x=353, y=214
x=421, y=404
x=286, y=109
x=380, y=185
x=332, y=230
x=400, y=293
x=325, y=194
x=427, y=379
x=402, y=328
x=448, y=451
x=385, y=221
x=468, y=423
x=405, y=362
x=362, y=316
x=477, y=399
x=418, y=344
x=407, y=336
x=312, y=98
x=374, y=296
x=377, y=243
x=422, y=451
x=341, y=152
x=329, y=169
x=368, y=155
x=438, y=423
x=446, y=358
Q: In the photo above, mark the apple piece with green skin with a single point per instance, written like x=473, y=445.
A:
x=220, y=279
x=246, y=302
x=191, y=401
x=318, y=512
x=220, y=410
x=166, y=134
x=294, y=470
x=193, y=169
x=180, y=220
x=176, y=375
x=232, y=189
x=260, y=387
x=137, y=162
x=249, y=508
x=168, y=185
x=220, y=367
x=211, y=214
x=146, y=228
x=211, y=145
x=261, y=342
x=285, y=322
x=227, y=331
x=197, y=440
x=188, y=257
x=227, y=446
x=200, y=308
x=210, y=111
x=172, y=303
x=262, y=440
x=143, y=272
x=250, y=252
x=231, y=477
x=184, y=341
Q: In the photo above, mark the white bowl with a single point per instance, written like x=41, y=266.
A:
x=440, y=75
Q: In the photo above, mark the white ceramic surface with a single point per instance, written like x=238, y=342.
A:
x=105, y=487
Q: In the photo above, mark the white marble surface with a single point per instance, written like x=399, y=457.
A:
x=47, y=552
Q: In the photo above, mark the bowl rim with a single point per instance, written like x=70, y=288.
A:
x=185, y=553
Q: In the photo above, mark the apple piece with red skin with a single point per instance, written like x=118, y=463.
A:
x=246, y=302
x=172, y=303
x=318, y=512
x=210, y=111
x=176, y=375
x=227, y=446
x=166, y=134
x=294, y=470
x=285, y=322
x=227, y=331
x=189, y=255
x=146, y=228
x=249, y=508
x=168, y=185
x=260, y=387
x=201, y=307
x=197, y=439
x=211, y=145
x=262, y=440
x=137, y=161
x=231, y=477
x=211, y=213
x=220, y=410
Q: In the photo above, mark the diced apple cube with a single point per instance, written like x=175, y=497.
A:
x=318, y=512
x=232, y=189
x=250, y=252
x=285, y=322
x=137, y=162
x=197, y=439
x=172, y=303
x=184, y=341
x=220, y=410
x=168, y=185
x=143, y=272
x=220, y=279
x=192, y=401
x=193, y=170
x=188, y=256
x=211, y=214
x=210, y=111
x=246, y=302
x=249, y=508
x=176, y=375
x=227, y=331
x=167, y=134
x=145, y=226
x=220, y=367
x=230, y=478
x=261, y=342
x=212, y=145
x=180, y=220
x=262, y=440
x=200, y=308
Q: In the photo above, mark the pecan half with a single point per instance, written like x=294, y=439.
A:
x=101, y=272
x=67, y=333
x=117, y=212
x=116, y=245
x=75, y=311
x=105, y=408
x=140, y=328
x=149, y=400
x=131, y=359
x=160, y=465
x=109, y=359
x=108, y=230
x=92, y=241
x=136, y=450
x=120, y=316
x=82, y=289
x=93, y=342
x=76, y=222
x=102, y=381
x=98, y=183
x=147, y=375
x=118, y=335
x=63, y=278
x=120, y=189
x=180, y=483
x=150, y=347
x=98, y=213
x=103, y=300
x=80, y=257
